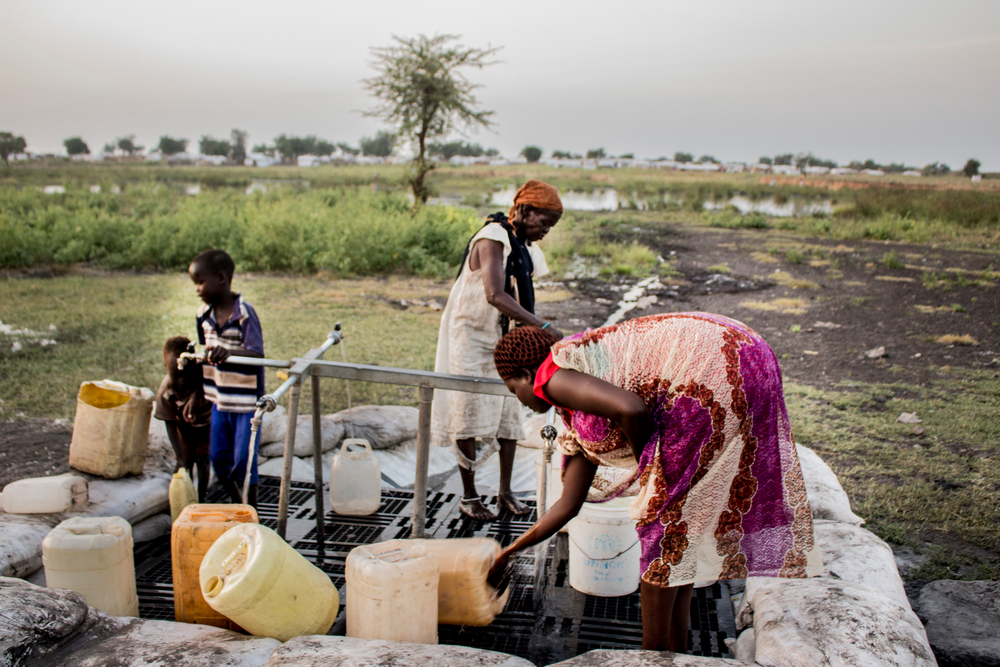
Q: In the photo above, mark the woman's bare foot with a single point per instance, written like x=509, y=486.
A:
x=513, y=504
x=474, y=509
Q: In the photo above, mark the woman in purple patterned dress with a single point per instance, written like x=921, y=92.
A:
x=685, y=412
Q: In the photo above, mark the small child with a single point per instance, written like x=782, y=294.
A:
x=228, y=325
x=181, y=405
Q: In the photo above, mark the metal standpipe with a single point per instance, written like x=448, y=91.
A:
x=548, y=434
x=419, y=528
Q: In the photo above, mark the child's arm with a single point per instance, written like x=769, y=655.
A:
x=218, y=354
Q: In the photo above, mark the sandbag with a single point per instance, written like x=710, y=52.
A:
x=151, y=528
x=383, y=426
x=331, y=433
x=618, y=658
x=852, y=554
x=823, y=623
x=274, y=425
x=33, y=619
x=327, y=651
x=826, y=496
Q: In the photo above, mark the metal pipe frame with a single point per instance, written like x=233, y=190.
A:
x=313, y=366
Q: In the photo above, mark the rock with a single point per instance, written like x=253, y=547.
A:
x=327, y=651
x=301, y=472
x=852, y=554
x=820, y=622
x=151, y=528
x=533, y=431
x=274, y=425
x=384, y=426
x=826, y=496
x=331, y=433
x=876, y=353
x=908, y=418
x=963, y=621
x=33, y=619
x=615, y=658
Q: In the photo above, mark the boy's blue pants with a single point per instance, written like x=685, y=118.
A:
x=228, y=450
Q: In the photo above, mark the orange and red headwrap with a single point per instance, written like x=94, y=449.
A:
x=523, y=347
x=538, y=194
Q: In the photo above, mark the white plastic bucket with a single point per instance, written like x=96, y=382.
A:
x=604, y=550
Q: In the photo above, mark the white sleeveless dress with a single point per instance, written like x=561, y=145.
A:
x=469, y=331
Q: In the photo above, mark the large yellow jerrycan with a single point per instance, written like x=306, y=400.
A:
x=251, y=576
x=464, y=597
x=392, y=592
x=194, y=532
x=181, y=493
x=111, y=429
x=93, y=556
x=355, y=479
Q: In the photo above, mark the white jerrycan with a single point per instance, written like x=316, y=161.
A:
x=355, y=479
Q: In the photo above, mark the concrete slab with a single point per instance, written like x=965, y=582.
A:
x=963, y=621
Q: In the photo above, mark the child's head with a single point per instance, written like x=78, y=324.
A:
x=172, y=350
x=212, y=273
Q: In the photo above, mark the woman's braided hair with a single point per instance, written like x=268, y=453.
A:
x=523, y=347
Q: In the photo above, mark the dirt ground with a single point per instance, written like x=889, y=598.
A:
x=846, y=301
x=859, y=306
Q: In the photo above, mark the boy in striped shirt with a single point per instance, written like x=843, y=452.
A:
x=228, y=326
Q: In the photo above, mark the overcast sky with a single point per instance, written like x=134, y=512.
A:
x=893, y=80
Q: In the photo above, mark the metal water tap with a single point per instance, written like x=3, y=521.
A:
x=190, y=355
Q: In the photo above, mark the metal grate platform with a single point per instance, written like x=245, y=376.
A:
x=554, y=625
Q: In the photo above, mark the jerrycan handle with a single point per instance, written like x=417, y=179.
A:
x=349, y=442
x=206, y=514
x=244, y=544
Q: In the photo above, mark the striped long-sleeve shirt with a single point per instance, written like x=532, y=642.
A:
x=232, y=387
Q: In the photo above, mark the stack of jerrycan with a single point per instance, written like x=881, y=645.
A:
x=111, y=429
x=254, y=578
x=195, y=530
x=93, y=556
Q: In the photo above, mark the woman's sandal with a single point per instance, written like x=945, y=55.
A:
x=474, y=509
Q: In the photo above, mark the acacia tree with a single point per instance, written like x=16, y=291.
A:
x=11, y=145
x=422, y=92
x=76, y=146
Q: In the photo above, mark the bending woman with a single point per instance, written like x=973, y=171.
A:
x=684, y=411
x=493, y=291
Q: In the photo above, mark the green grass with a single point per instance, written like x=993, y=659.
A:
x=938, y=492
x=114, y=326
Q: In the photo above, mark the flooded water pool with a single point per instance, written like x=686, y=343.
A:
x=608, y=199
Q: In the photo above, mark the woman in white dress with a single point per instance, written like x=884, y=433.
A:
x=493, y=292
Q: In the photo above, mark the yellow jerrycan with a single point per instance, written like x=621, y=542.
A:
x=111, y=429
x=93, y=556
x=392, y=592
x=464, y=597
x=181, y=493
x=355, y=479
x=194, y=532
x=254, y=578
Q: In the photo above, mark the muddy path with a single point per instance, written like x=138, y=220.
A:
x=825, y=307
